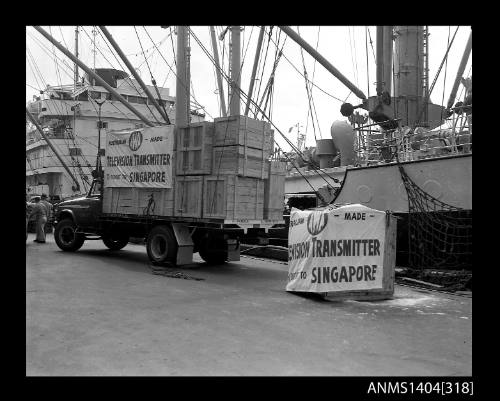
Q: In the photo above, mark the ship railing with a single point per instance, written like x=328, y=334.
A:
x=412, y=145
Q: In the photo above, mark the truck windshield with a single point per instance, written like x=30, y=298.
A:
x=95, y=190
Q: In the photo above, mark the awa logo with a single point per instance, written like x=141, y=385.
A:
x=135, y=140
x=316, y=222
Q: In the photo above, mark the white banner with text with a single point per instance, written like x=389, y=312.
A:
x=140, y=158
x=336, y=249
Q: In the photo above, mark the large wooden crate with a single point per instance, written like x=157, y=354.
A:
x=233, y=198
x=138, y=201
x=194, y=148
x=240, y=160
x=241, y=130
x=188, y=196
x=274, y=188
x=388, y=269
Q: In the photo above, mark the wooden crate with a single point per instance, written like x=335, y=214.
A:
x=389, y=264
x=240, y=160
x=231, y=197
x=194, y=148
x=241, y=130
x=188, y=196
x=274, y=191
x=135, y=201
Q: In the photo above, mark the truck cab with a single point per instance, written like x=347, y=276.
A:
x=79, y=219
x=83, y=211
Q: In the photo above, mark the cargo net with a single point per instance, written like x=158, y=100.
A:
x=439, y=235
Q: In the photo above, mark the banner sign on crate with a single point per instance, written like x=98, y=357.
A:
x=140, y=158
x=336, y=249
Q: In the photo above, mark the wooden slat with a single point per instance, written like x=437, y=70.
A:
x=188, y=196
x=194, y=149
x=135, y=200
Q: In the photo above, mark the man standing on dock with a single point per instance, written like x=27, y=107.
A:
x=49, y=207
x=40, y=211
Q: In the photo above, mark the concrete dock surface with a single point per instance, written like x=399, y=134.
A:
x=98, y=312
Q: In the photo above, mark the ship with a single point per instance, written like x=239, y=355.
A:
x=75, y=115
x=403, y=154
x=71, y=120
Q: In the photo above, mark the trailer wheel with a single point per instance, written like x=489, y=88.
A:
x=161, y=245
x=115, y=242
x=66, y=237
x=212, y=256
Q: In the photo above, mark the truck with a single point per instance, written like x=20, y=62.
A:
x=196, y=188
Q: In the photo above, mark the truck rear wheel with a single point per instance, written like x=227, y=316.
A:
x=66, y=236
x=161, y=245
x=211, y=252
x=114, y=241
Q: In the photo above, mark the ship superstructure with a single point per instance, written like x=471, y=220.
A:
x=69, y=115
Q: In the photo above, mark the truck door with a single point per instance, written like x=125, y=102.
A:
x=94, y=199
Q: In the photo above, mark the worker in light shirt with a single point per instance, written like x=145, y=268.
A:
x=40, y=212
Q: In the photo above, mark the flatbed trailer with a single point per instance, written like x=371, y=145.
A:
x=213, y=194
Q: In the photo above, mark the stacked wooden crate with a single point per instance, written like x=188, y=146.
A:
x=221, y=170
x=193, y=154
x=235, y=190
x=194, y=149
x=242, y=145
x=274, y=189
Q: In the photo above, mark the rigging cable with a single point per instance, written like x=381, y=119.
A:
x=267, y=118
x=151, y=74
x=445, y=73
x=298, y=71
x=445, y=58
x=130, y=81
x=170, y=67
x=309, y=111
x=263, y=64
x=311, y=88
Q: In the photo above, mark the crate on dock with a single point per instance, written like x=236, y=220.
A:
x=241, y=130
x=194, y=148
x=240, y=160
x=138, y=201
x=274, y=188
x=231, y=197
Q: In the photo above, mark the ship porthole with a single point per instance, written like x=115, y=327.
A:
x=433, y=188
x=365, y=194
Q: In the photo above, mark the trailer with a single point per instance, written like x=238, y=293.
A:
x=196, y=188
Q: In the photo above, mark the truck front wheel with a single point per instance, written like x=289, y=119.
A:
x=66, y=236
x=114, y=241
x=161, y=245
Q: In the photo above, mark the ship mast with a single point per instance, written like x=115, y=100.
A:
x=76, y=55
x=234, y=100
x=409, y=72
x=182, y=86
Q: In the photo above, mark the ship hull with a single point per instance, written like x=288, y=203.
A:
x=448, y=179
